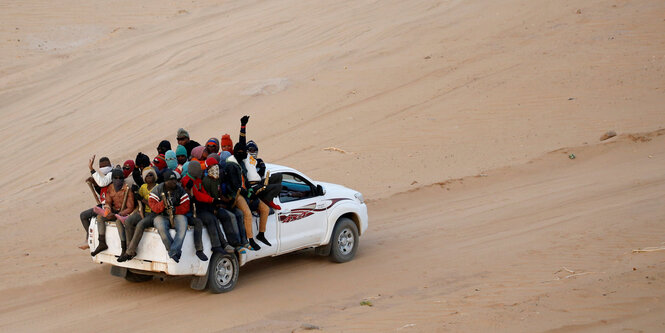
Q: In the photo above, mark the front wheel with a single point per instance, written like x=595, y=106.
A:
x=344, y=241
x=222, y=273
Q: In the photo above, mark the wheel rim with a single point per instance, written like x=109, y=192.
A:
x=345, y=241
x=224, y=271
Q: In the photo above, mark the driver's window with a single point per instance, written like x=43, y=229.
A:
x=294, y=188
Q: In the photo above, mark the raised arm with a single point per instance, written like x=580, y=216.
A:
x=242, y=140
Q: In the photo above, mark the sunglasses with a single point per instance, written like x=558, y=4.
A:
x=180, y=139
x=126, y=168
x=211, y=146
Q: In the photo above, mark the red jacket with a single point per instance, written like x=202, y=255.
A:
x=197, y=190
x=180, y=200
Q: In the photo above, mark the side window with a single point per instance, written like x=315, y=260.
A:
x=294, y=188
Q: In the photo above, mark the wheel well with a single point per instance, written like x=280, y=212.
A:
x=353, y=218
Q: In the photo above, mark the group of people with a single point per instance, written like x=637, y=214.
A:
x=217, y=185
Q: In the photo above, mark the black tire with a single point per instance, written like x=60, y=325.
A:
x=136, y=277
x=344, y=240
x=222, y=273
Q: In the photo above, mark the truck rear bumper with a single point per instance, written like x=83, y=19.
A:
x=151, y=252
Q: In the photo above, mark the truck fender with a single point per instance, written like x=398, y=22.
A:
x=334, y=215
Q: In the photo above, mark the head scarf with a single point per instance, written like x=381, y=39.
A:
x=197, y=152
x=213, y=141
x=222, y=158
x=159, y=162
x=128, y=164
x=239, y=152
x=226, y=141
x=180, y=151
x=213, y=171
x=210, y=161
x=252, y=144
x=165, y=144
x=142, y=160
x=182, y=133
x=194, y=170
x=171, y=161
x=148, y=171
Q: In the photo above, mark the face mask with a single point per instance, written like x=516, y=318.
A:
x=105, y=170
x=240, y=155
x=117, y=183
x=213, y=172
x=171, y=163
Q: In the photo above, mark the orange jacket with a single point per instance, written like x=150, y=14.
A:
x=114, y=200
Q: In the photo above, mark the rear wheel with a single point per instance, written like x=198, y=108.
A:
x=222, y=272
x=136, y=277
x=344, y=241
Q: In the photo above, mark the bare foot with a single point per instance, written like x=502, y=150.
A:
x=84, y=246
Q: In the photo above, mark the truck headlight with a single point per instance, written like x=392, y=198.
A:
x=360, y=197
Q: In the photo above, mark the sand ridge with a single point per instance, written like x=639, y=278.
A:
x=422, y=95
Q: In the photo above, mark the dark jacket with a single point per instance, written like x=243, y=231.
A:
x=234, y=179
x=178, y=198
x=191, y=145
x=261, y=167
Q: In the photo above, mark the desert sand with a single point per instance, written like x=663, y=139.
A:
x=457, y=121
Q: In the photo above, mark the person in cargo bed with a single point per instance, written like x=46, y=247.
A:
x=252, y=191
x=135, y=223
x=177, y=205
x=183, y=139
x=87, y=215
x=119, y=204
x=192, y=181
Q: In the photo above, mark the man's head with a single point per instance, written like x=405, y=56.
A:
x=239, y=152
x=215, y=156
x=212, y=165
x=149, y=175
x=212, y=146
x=142, y=160
x=170, y=180
x=226, y=143
x=252, y=148
x=222, y=159
x=104, y=162
x=171, y=161
x=182, y=136
x=163, y=147
x=105, y=166
x=159, y=162
x=194, y=170
x=127, y=168
x=181, y=154
x=118, y=178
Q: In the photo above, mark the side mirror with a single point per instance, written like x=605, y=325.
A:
x=320, y=190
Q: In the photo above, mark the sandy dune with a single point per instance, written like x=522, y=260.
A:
x=457, y=120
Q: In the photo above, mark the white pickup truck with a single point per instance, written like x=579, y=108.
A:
x=327, y=217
